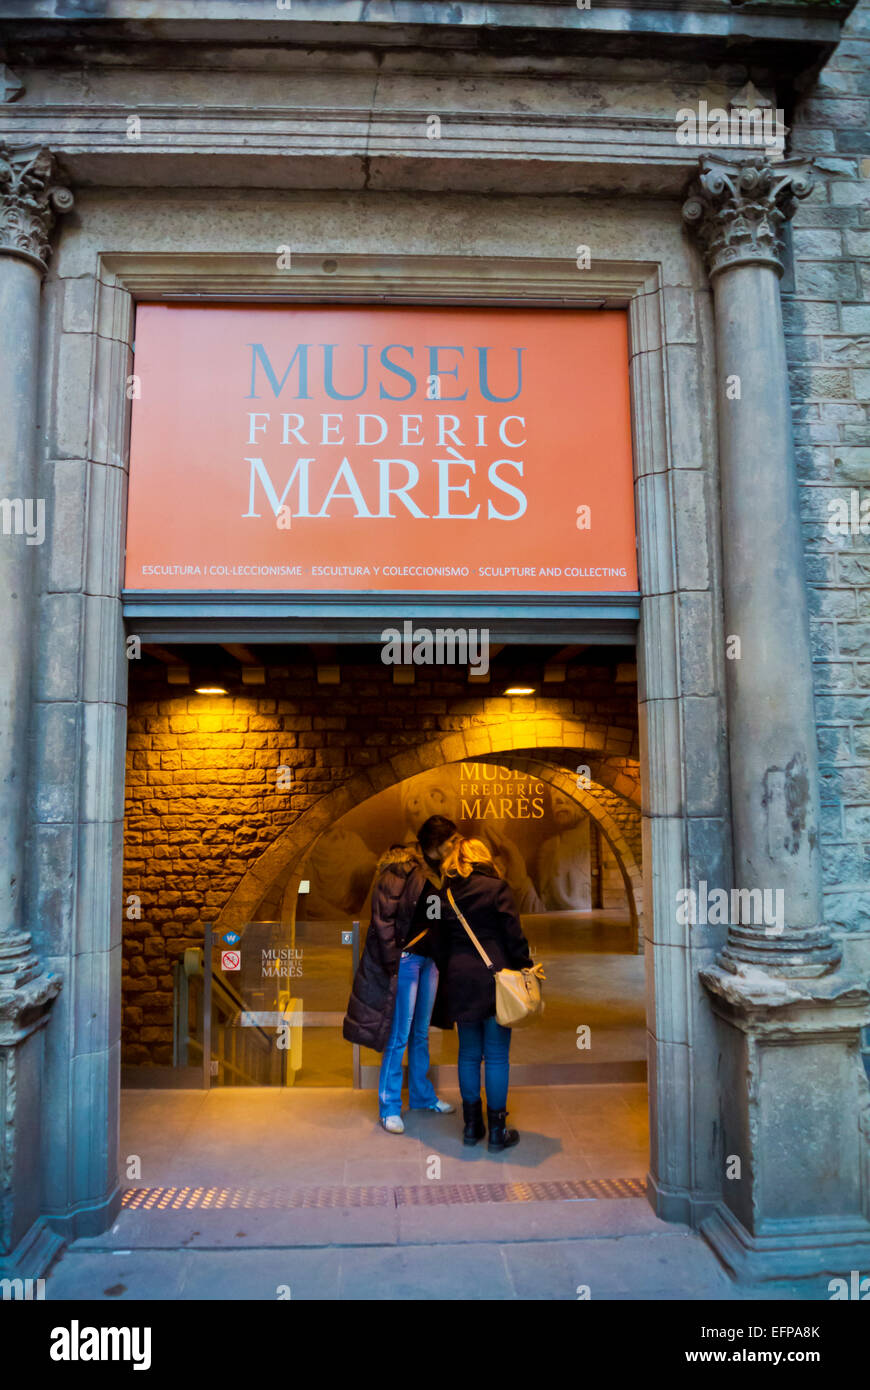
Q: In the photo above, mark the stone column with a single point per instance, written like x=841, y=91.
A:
x=793, y=1095
x=30, y=196
x=738, y=212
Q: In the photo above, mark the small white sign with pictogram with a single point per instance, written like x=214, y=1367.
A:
x=231, y=960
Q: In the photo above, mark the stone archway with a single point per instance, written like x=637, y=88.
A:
x=596, y=801
x=626, y=853
x=513, y=740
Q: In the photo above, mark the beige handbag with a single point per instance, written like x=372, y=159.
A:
x=518, y=996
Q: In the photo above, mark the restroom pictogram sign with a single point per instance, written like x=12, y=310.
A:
x=231, y=960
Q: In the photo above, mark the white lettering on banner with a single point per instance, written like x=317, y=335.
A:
x=426, y=571
x=337, y=571
x=344, y=486
x=414, y=432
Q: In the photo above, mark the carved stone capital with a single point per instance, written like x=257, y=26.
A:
x=30, y=198
x=737, y=209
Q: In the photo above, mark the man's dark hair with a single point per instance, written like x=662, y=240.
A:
x=434, y=832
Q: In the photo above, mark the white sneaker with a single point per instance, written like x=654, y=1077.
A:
x=393, y=1124
x=444, y=1107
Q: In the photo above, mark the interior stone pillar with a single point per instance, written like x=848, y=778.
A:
x=30, y=196
x=794, y=1098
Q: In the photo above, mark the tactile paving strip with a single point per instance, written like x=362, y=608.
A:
x=247, y=1198
x=163, y=1199
x=436, y=1193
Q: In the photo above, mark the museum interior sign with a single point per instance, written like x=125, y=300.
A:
x=380, y=449
x=539, y=838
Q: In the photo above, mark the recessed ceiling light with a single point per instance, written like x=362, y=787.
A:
x=520, y=690
x=210, y=690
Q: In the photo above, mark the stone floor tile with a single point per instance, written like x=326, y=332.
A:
x=470, y=1272
x=259, y=1274
x=523, y=1221
x=384, y=1172
x=122, y=1275
x=555, y=1270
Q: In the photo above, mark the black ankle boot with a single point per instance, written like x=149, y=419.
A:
x=472, y=1114
x=499, y=1137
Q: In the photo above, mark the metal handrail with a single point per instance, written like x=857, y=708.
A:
x=222, y=997
x=215, y=988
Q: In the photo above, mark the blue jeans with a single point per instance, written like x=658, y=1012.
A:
x=486, y=1040
x=415, y=997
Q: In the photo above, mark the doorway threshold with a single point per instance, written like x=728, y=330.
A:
x=158, y=1200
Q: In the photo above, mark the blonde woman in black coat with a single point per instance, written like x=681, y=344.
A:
x=466, y=992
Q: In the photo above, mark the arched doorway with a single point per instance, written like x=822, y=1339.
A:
x=615, y=819
x=552, y=830
x=515, y=743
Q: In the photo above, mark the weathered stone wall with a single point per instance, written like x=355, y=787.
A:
x=624, y=815
x=827, y=318
x=612, y=885
x=203, y=801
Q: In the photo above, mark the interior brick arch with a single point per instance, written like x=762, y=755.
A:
x=617, y=782
x=621, y=774
x=622, y=834
x=516, y=738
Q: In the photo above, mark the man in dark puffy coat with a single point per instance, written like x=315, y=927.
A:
x=394, y=990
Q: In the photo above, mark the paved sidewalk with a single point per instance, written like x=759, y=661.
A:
x=245, y=1194
x=501, y=1254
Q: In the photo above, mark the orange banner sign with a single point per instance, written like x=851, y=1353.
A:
x=380, y=450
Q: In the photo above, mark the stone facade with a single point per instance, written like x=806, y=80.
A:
x=827, y=320
x=194, y=148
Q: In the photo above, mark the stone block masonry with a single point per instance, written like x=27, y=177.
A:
x=203, y=800
x=827, y=322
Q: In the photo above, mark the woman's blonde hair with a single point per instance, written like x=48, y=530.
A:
x=463, y=855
